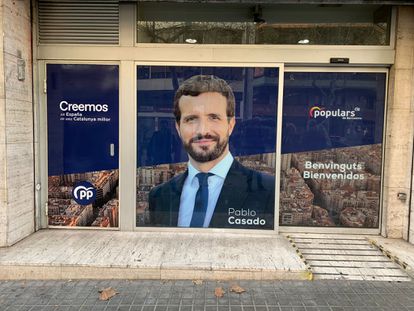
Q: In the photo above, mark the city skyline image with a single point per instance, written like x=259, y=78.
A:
x=63, y=210
x=151, y=176
x=332, y=187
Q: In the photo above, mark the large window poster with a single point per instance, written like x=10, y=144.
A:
x=82, y=116
x=206, y=146
x=332, y=149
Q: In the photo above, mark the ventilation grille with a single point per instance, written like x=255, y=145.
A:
x=78, y=22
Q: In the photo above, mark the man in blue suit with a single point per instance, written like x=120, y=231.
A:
x=216, y=191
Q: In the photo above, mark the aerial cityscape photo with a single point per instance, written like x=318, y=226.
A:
x=333, y=187
x=103, y=212
x=151, y=176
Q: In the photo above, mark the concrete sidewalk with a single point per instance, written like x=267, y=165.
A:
x=322, y=295
x=93, y=254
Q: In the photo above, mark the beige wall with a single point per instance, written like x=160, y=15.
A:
x=400, y=126
x=16, y=125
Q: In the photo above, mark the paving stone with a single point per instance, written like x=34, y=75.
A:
x=152, y=295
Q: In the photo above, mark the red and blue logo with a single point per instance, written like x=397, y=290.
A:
x=316, y=112
x=312, y=113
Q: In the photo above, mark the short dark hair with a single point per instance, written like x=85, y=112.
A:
x=199, y=84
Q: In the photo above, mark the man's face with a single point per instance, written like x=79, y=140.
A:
x=204, y=127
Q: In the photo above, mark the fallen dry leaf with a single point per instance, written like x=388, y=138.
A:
x=107, y=293
x=197, y=282
x=219, y=292
x=237, y=289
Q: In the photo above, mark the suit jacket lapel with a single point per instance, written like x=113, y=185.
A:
x=233, y=194
x=174, y=199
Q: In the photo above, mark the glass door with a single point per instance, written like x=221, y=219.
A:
x=82, y=139
x=332, y=147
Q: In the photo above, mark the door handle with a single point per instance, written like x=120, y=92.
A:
x=112, y=150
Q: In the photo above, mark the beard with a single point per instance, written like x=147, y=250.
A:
x=206, y=155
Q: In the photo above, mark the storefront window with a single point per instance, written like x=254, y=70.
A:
x=263, y=24
x=220, y=113
x=82, y=115
x=332, y=149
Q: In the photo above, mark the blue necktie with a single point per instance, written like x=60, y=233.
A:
x=201, y=201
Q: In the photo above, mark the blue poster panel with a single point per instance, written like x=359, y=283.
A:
x=206, y=146
x=82, y=122
x=332, y=149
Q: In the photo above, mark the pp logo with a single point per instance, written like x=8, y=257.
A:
x=84, y=193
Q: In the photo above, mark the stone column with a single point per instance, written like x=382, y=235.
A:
x=400, y=129
x=16, y=123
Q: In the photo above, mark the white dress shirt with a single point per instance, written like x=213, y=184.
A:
x=190, y=188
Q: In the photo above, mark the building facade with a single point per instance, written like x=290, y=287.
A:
x=324, y=98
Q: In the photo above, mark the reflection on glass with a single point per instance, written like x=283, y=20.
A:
x=324, y=34
x=332, y=149
x=242, y=23
x=200, y=32
x=250, y=33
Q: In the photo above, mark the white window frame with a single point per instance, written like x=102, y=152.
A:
x=277, y=145
x=381, y=218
